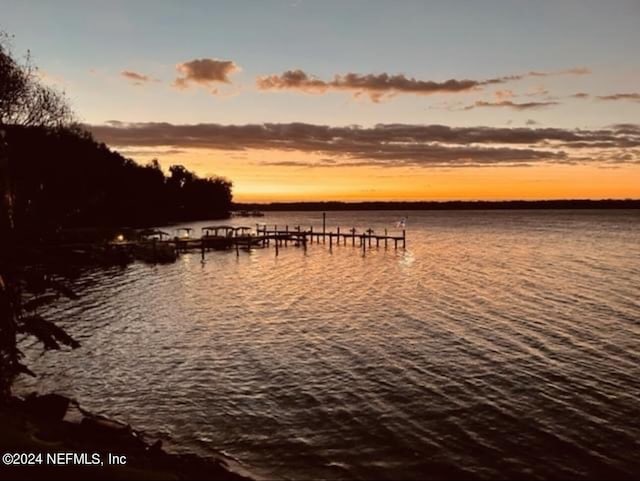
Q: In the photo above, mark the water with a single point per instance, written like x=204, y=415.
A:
x=499, y=344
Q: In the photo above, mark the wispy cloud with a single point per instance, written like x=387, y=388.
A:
x=150, y=152
x=374, y=85
x=539, y=91
x=377, y=86
x=569, y=71
x=510, y=104
x=580, y=95
x=137, y=78
x=390, y=145
x=621, y=96
x=204, y=72
x=504, y=94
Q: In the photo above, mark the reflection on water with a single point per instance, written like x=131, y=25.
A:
x=498, y=344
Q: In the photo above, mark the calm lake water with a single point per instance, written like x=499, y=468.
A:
x=499, y=344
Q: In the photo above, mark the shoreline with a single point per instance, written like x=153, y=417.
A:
x=52, y=423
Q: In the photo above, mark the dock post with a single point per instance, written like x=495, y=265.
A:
x=276, y=243
x=377, y=241
x=202, y=248
x=385, y=238
x=324, y=226
x=395, y=243
x=311, y=230
x=353, y=236
x=330, y=241
x=404, y=239
x=237, y=250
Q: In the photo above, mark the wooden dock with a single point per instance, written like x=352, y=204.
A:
x=351, y=236
x=160, y=245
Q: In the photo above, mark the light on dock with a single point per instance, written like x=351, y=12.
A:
x=120, y=238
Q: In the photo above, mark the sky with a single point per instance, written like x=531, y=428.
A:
x=299, y=100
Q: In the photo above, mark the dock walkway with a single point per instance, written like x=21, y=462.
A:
x=225, y=237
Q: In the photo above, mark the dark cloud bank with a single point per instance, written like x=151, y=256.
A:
x=392, y=144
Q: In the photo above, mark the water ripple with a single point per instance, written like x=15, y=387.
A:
x=500, y=344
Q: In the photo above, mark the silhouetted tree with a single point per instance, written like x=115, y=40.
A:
x=24, y=100
x=53, y=174
x=64, y=178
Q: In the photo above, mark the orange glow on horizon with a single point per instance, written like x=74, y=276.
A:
x=257, y=177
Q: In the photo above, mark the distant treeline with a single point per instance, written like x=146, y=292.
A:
x=446, y=205
x=63, y=177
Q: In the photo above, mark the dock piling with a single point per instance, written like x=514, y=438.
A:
x=324, y=226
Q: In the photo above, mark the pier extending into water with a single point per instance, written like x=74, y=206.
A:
x=160, y=246
x=351, y=236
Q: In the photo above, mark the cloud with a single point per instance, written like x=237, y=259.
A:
x=576, y=71
x=377, y=86
x=137, y=78
x=388, y=145
x=512, y=105
x=374, y=85
x=504, y=94
x=626, y=129
x=204, y=72
x=580, y=95
x=623, y=96
x=569, y=71
x=150, y=152
x=540, y=91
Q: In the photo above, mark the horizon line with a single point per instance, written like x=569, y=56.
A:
x=575, y=199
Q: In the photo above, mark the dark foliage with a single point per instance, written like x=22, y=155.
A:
x=54, y=175
x=24, y=100
x=22, y=291
x=63, y=178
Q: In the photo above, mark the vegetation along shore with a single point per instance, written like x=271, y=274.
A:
x=59, y=185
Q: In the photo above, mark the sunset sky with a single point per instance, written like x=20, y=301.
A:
x=356, y=100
